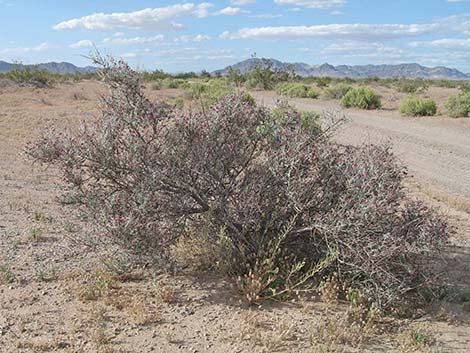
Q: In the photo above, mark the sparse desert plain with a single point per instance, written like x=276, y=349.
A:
x=58, y=296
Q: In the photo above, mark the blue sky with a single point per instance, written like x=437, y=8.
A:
x=182, y=36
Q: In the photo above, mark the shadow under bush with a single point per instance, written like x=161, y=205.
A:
x=280, y=204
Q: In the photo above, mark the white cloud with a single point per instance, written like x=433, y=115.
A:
x=81, y=44
x=242, y=2
x=25, y=50
x=134, y=40
x=336, y=13
x=230, y=11
x=187, y=38
x=460, y=23
x=150, y=18
x=201, y=38
x=340, y=31
x=268, y=15
x=450, y=43
x=313, y=4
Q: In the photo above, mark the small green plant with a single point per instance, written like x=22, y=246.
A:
x=179, y=103
x=420, y=337
x=338, y=91
x=36, y=234
x=46, y=275
x=6, y=275
x=296, y=90
x=415, y=106
x=459, y=106
x=361, y=97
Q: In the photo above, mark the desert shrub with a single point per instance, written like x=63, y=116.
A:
x=415, y=106
x=174, y=83
x=296, y=90
x=459, y=106
x=464, y=87
x=417, y=85
x=338, y=91
x=30, y=76
x=209, y=92
x=361, y=97
x=261, y=74
x=446, y=83
x=281, y=205
x=323, y=82
x=157, y=85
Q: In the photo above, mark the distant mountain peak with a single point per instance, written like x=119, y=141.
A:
x=52, y=67
x=408, y=70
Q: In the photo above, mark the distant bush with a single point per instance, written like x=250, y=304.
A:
x=338, y=91
x=281, y=205
x=323, y=82
x=464, y=87
x=459, y=106
x=296, y=90
x=174, y=83
x=157, y=85
x=415, y=106
x=31, y=76
x=447, y=83
x=209, y=92
x=361, y=97
x=417, y=85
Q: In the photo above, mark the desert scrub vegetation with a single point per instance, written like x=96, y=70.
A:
x=338, y=91
x=361, y=97
x=417, y=85
x=415, y=106
x=280, y=205
x=31, y=77
x=459, y=106
x=296, y=90
x=209, y=92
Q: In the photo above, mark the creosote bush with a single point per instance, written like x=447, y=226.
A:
x=417, y=85
x=361, y=97
x=459, y=106
x=296, y=90
x=338, y=91
x=281, y=205
x=415, y=106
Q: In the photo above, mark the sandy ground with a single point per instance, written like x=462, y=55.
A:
x=56, y=296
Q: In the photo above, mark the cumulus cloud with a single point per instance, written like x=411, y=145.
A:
x=81, y=44
x=230, y=11
x=313, y=4
x=150, y=18
x=344, y=31
x=134, y=41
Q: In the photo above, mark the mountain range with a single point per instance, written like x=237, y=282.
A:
x=357, y=71
x=52, y=67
